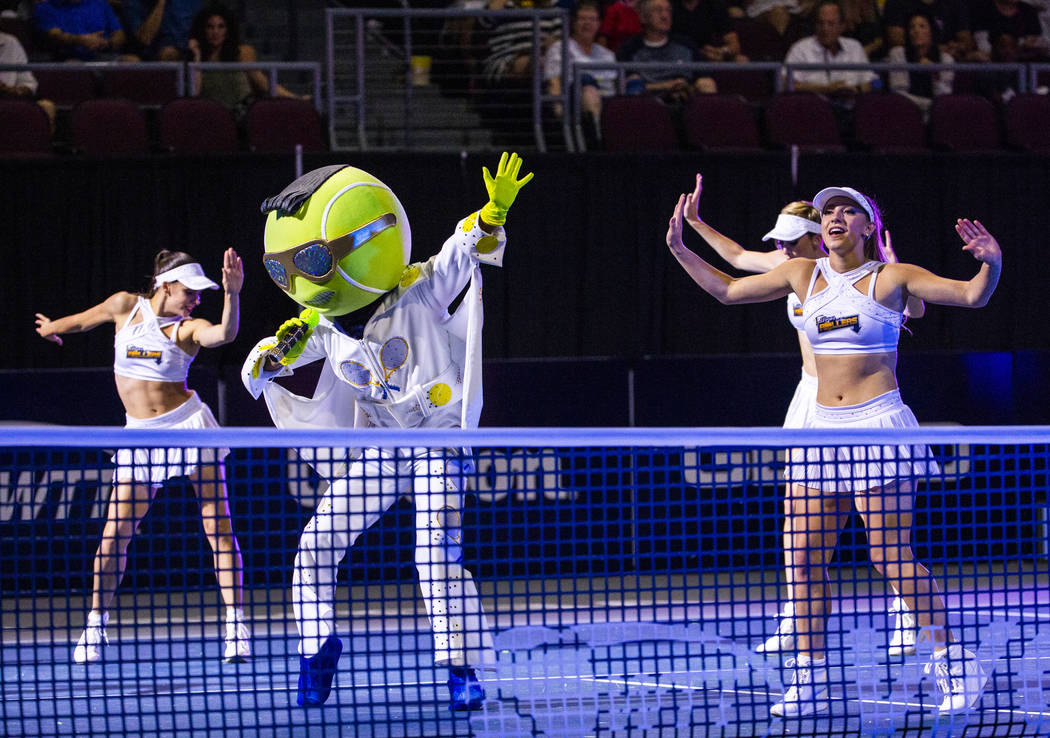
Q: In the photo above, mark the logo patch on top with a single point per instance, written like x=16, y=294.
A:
x=831, y=323
x=134, y=352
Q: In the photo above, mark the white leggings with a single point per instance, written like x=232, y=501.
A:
x=352, y=503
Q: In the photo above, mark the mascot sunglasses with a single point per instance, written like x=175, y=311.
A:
x=315, y=260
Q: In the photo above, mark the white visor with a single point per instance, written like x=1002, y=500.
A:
x=190, y=275
x=791, y=228
x=829, y=192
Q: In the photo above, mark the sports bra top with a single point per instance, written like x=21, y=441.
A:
x=842, y=320
x=794, y=310
x=143, y=351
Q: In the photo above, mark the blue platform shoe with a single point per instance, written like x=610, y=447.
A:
x=317, y=672
x=464, y=689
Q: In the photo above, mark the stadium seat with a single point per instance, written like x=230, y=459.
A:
x=962, y=123
x=279, y=124
x=26, y=128
x=196, y=125
x=802, y=119
x=1027, y=119
x=637, y=123
x=720, y=123
x=142, y=86
x=887, y=121
x=109, y=126
x=66, y=87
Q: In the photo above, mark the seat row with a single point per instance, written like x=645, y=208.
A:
x=187, y=125
x=880, y=121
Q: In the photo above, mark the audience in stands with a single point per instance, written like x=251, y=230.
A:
x=829, y=46
x=1019, y=22
x=864, y=23
x=20, y=84
x=656, y=44
x=510, y=42
x=87, y=30
x=951, y=24
x=594, y=84
x=620, y=22
x=215, y=37
x=707, y=24
x=159, y=30
x=921, y=48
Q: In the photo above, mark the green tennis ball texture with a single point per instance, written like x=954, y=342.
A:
x=352, y=198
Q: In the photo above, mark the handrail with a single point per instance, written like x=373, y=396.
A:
x=179, y=68
x=271, y=67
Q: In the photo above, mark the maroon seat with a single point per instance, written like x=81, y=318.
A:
x=66, y=87
x=1027, y=119
x=109, y=126
x=143, y=86
x=27, y=131
x=754, y=85
x=279, y=124
x=759, y=41
x=802, y=119
x=637, y=123
x=887, y=121
x=964, y=123
x=197, y=125
x=720, y=123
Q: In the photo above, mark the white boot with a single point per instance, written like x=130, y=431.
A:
x=960, y=678
x=238, y=639
x=905, y=629
x=89, y=648
x=808, y=692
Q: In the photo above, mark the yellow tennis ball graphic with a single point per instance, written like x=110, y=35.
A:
x=440, y=394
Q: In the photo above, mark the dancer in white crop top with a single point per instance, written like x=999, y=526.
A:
x=858, y=390
x=155, y=343
x=796, y=234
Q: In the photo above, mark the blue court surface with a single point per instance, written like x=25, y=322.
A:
x=570, y=665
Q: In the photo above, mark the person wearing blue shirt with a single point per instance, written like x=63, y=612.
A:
x=160, y=29
x=88, y=30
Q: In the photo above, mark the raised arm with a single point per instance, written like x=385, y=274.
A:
x=209, y=335
x=918, y=282
x=729, y=290
x=105, y=312
x=734, y=254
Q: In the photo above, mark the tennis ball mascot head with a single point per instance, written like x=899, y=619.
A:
x=336, y=239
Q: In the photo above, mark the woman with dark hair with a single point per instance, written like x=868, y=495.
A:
x=852, y=311
x=922, y=47
x=155, y=343
x=215, y=37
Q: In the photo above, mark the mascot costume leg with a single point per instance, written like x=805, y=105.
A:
x=337, y=239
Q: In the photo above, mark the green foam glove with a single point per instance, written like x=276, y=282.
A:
x=502, y=188
x=292, y=335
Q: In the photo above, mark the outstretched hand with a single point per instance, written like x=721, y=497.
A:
x=979, y=242
x=43, y=327
x=674, y=226
x=692, y=202
x=232, y=272
x=503, y=188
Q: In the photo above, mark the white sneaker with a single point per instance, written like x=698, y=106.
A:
x=92, y=640
x=905, y=629
x=959, y=676
x=238, y=642
x=808, y=692
x=781, y=641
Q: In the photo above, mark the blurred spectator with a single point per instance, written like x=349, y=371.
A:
x=21, y=83
x=829, y=46
x=595, y=83
x=921, y=48
x=215, y=37
x=656, y=44
x=951, y=24
x=864, y=24
x=993, y=19
x=706, y=23
x=620, y=22
x=88, y=30
x=159, y=30
x=510, y=41
x=1002, y=86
